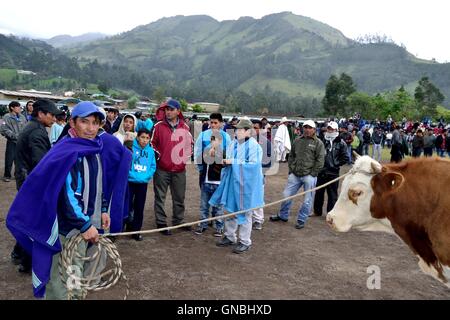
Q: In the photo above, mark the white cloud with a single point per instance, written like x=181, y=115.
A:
x=420, y=25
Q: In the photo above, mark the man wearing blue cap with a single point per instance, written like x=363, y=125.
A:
x=172, y=142
x=79, y=187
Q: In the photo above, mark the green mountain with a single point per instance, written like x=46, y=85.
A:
x=56, y=71
x=69, y=41
x=282, y=52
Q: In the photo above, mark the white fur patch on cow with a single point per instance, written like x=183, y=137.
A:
x=431, y=271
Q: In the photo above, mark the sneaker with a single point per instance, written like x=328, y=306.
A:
x=257, y=226
x=6, y=179
x=277, y=218
x=224, y=242
x=200, y=230
x=137, y=237
x=165, y=232
x=240, y=248
x=218, y=233
x=299, y=225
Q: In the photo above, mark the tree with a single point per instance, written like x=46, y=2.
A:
x=159, y=94
x=197, y=108
x=104, y=87
x=428, y=96
x=361, y=102
x=132, y=102
x=184, y=105
x=336, y=93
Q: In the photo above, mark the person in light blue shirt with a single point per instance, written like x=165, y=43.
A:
x=241, y=187
x=143, y=167
x=57, y=127
x=209, y=151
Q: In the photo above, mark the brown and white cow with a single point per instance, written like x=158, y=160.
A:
x=410, y=199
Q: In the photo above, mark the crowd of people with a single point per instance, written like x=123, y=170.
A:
x=94, y=168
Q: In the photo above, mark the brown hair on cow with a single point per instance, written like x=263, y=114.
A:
x=414, y=196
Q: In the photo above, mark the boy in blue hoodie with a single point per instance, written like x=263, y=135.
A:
x=143, y=166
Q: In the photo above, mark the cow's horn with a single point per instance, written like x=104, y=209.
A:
x=357, y=156
x=376, y=167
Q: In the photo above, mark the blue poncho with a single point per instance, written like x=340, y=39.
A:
x=32, y=218
x=241, y=185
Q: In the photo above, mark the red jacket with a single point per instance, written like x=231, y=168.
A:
x=173, y=147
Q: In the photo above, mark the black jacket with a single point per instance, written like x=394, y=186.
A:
x=439, y=140
x=32, y=145
x=336, y=157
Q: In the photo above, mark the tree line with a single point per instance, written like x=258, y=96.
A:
x=342, y=99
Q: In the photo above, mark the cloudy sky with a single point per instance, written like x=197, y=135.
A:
x=421, y=25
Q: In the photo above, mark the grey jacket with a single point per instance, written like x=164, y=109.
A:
x=307, y=156
x=13, y=126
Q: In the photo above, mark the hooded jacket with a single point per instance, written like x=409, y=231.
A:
x=143, y=165
x=121, y=134
x=172, y=145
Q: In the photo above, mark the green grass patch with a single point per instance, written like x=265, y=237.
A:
x=6, y=75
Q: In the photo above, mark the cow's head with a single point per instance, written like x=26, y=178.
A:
x=353, y=208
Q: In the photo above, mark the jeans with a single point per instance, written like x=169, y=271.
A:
x=294, y=183
x=350, y=154
x=441, y=153
x=365, y=149
x=376, y=150
x=208, y=190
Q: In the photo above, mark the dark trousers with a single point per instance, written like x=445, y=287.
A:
x=10, y=157
x=332, y=192
x=162, y=180
x=428, y=151
x=416, y=152
x=18, y=251
x=137, y=197
x=396, y=153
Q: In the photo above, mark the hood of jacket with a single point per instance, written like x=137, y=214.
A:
x=121, y=129
x=161, y=115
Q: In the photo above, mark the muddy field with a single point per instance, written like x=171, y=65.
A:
x=283, y=263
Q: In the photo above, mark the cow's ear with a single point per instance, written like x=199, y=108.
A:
x=387, y=182
x=392, y=181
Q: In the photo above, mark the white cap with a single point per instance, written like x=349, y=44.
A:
x=310, y=123
x=284, y=119
x=333, y=125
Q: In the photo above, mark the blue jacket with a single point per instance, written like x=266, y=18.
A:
x=33, y=218
x=143, y=165
x=81, y=199
x=203, y=142
x=242, y=183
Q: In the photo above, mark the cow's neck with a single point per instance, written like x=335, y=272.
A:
x=380, y=225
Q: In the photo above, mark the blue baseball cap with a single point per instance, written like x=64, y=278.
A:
x=172, y=103
x=85, y=109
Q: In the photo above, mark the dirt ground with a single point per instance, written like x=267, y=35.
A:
x=283, y=263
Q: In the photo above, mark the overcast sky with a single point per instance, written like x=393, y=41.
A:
x=421, y=25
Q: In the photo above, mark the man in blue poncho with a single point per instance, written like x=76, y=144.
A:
x=78, y=187
x=241, y=186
